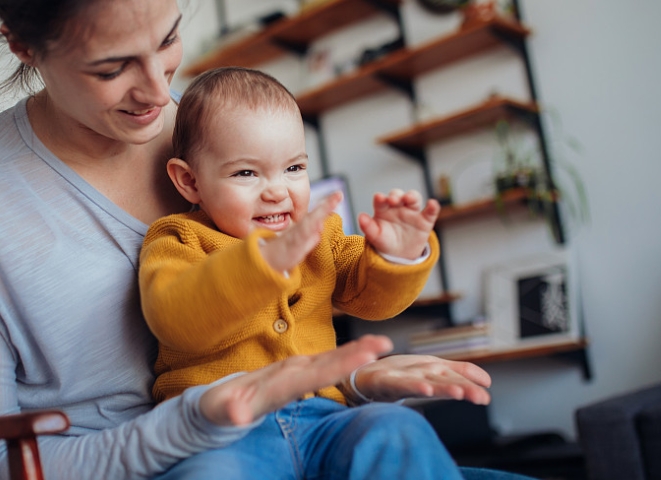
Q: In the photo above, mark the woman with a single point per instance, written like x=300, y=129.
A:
x=82, y=166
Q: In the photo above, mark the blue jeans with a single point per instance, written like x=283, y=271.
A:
x=323, y=440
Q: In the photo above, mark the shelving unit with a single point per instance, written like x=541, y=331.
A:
x=448, y=213
x=413, y=140
x=292, y=34
x=400, y=67
x=398, y=70
x=421, y=303
x=572, y=350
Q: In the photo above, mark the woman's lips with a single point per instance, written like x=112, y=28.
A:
x=143, y=117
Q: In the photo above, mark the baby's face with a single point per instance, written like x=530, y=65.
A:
x=253, y=170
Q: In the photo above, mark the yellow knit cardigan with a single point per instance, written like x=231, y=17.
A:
x=218, y=308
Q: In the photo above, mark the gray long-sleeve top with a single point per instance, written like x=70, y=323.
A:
x=72, y=335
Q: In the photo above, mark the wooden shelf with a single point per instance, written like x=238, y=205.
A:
x=442, y=299
x=445, y=298
x=290, y=34
x=480, y=36
x=413, y=140
x=409, y=62
x=519, y=352
x=482, y=206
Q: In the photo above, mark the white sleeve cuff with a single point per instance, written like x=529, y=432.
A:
x=352, y=382
x=405, y=261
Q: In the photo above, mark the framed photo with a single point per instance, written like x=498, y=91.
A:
x=327, y=185
x=531, y=300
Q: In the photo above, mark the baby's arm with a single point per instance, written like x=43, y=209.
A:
x=400, y=226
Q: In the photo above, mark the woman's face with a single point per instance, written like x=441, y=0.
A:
x=110, y=72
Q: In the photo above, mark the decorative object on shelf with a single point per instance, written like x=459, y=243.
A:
x=372, y=54
x=444, y=190
x=308, y=4
x=530, y=300
x=443, y=6
x=515, y=165
x=271, y=17
x=261, y=13
x=478, y=13
x=519, y=166
x=319, y=67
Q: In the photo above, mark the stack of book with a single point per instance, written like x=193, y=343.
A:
x=451, y=341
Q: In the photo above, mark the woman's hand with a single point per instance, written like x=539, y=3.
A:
x=247, y=397
x=420, y=376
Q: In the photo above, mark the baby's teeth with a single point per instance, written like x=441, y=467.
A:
x=274, y=218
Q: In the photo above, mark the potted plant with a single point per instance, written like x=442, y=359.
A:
x=519, y=165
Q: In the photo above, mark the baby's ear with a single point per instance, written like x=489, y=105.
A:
x=183, y=177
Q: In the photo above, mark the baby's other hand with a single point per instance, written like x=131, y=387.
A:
x=400, y=226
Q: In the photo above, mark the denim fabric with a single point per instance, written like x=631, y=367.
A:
x=318, y=439
x=471, y=473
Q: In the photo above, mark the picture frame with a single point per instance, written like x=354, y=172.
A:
x=532, y=300
x=323, y=187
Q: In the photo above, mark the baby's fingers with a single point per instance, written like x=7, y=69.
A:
x=313, y=223
x=412, y=199
x=369, y=226
x=431, y=210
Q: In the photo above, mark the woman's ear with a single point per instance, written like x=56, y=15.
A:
x=183, y=177
x=21, y=50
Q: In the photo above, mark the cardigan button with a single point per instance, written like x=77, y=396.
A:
x=280, y=326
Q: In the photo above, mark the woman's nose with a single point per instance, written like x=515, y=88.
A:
x=154, y=88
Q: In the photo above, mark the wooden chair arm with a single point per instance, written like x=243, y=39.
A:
x=20, y=432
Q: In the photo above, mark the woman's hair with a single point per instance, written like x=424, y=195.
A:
x=224, y=89
x=35, y=23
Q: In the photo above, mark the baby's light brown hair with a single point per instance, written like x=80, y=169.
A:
x=224, y=89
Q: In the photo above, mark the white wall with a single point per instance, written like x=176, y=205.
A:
x=597, y=64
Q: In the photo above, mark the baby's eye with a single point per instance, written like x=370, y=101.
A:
x=244, y=173
x=296, y=168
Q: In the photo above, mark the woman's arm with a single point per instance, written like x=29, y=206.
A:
x=202, y=418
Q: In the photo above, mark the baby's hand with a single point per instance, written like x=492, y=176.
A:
x=400, y=226
x=290, y=248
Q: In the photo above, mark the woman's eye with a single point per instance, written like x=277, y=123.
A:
x=170, y=40
x=111, y=75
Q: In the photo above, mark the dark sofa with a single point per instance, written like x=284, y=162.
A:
x=621, y=436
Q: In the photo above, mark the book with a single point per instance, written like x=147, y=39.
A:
x=450, y=334
x=450, y=347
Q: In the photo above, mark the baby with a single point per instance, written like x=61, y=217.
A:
x=250, y=277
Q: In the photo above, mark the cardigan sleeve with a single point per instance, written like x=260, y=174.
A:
x=369, y=286
x=191, y=298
